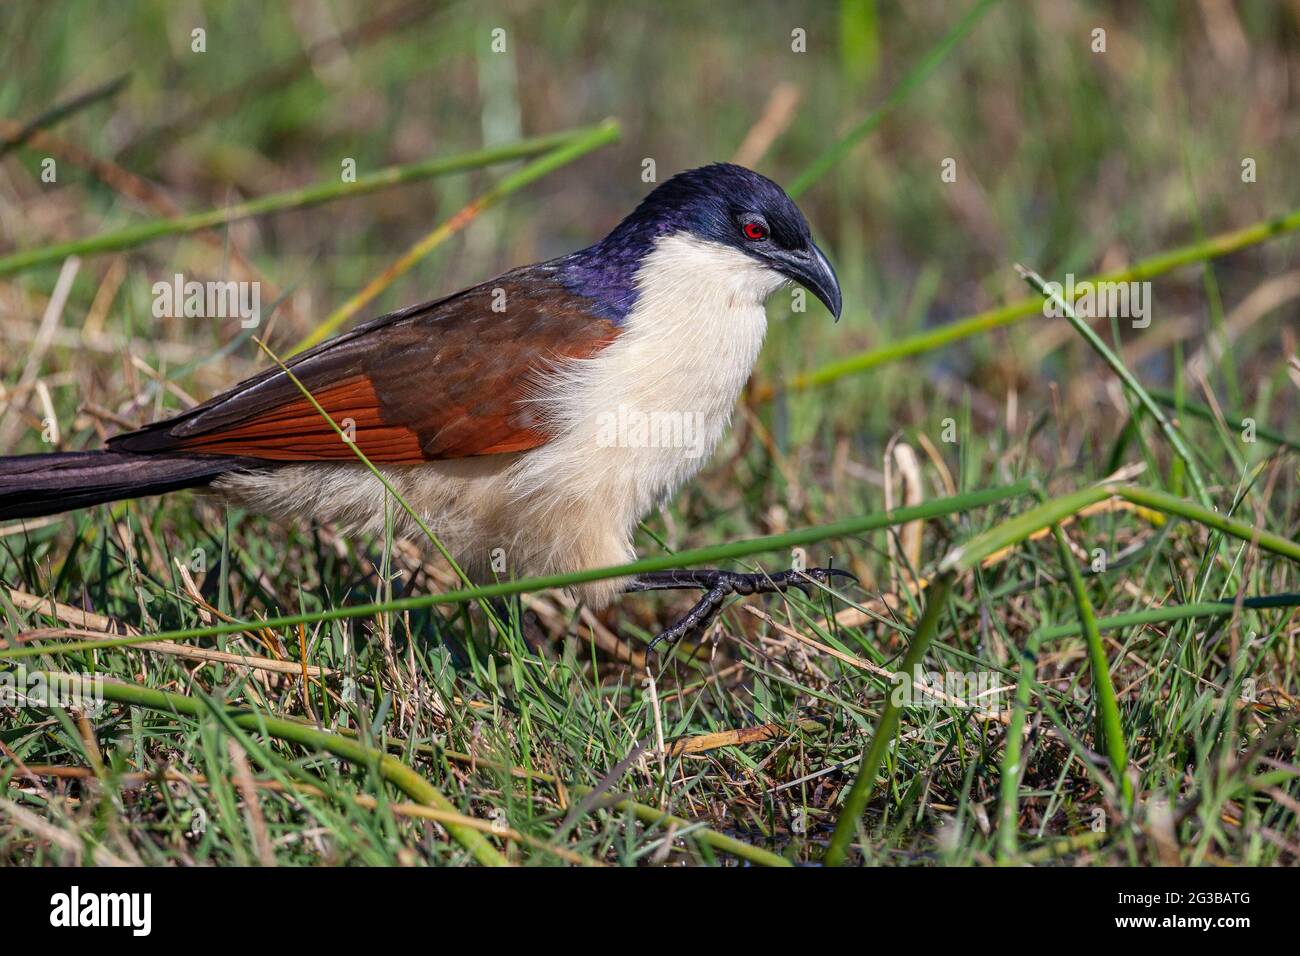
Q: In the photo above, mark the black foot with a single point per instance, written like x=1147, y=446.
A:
x=717, y=587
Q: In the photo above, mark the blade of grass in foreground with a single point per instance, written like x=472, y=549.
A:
x=292, y=199
x=1011, y=769
x=1159, y=500
x=389, y=767
x=966, y=556
x=1014, y=530
x=1169, y=613
x=578, y=146
x=718, y=841
x=721, y=552
x=643, y=812
x=936, y=600
x=963, y=558
x=1103, y=688
x=393, y=770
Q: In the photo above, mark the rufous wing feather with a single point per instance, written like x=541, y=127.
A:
x=449, y=379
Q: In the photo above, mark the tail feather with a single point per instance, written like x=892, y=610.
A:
x=36, y=485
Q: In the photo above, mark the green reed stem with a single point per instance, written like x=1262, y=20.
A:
x=572, y=149
x=1011, y=770
x=138, y=235
x=1172, y=434
x=718, y=841
x=935, y=339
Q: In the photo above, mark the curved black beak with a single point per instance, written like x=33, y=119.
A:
x=812, y=270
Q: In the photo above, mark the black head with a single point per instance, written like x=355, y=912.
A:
x=737, y=207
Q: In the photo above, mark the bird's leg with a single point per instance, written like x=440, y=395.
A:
x=717, y=587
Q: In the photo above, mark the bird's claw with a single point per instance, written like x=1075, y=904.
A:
x=697, y=620
x=825, y=575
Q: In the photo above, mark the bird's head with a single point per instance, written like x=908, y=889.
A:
x=729, y=206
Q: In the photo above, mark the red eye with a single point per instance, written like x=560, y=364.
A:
x=755, y=231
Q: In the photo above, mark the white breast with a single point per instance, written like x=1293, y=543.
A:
x=641, y=417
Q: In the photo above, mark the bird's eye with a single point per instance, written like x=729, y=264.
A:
x=755, y=231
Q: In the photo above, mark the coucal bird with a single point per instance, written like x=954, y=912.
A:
x=493, y=411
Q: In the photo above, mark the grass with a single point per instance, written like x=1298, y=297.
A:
x=129, y=238
x=1107, y=663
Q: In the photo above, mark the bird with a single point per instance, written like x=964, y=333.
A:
x=532, y=420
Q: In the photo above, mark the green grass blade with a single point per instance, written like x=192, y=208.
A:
x=1173, y=505
x=915, y=77
x=291, y=199
x=1169, y=614
x=966, y=556
x=1172, y=434
x=719, y=841
x=575, y=148
x=389, y=767
x=1010, y=768
x=860, y=793
x=722, y=552
x=1102, y=686
x=1214, y=247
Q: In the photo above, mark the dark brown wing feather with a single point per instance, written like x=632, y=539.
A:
x=448, y=379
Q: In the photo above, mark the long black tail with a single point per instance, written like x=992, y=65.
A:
x=35, y=485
